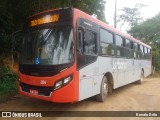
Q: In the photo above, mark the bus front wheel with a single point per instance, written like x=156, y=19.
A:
x=103, y=91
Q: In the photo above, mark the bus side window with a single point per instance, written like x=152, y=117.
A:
x=90, y=43
x=80, y=40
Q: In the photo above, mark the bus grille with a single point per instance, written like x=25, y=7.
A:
x=42, y=70
x=38, y=70
x=44, y=91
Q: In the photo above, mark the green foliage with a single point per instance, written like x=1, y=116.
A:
x=8, y=83
x=156, y=57
x=149, y=30
x=5, y=19
x=132, y=16
x=6, y=43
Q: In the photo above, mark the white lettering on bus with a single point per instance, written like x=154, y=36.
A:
x=119, y=65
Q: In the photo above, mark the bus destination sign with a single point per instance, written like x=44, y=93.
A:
x=45, y=19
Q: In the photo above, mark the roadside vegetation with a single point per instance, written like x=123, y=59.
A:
x=8, y=83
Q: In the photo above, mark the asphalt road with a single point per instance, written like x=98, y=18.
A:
x=132, y=97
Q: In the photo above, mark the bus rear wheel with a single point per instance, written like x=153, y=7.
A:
x=103, y=91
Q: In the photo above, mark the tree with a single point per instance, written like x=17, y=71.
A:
x=132, y=16
x=148, y=31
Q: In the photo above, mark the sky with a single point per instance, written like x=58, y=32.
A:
x=152, y=8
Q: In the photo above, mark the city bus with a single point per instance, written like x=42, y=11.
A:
x=68, y=56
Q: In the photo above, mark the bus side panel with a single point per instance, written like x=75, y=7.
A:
x=106, y=64
x=147, y=67
x=89, y=81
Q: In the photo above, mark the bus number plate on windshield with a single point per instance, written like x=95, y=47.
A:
x=34, y=92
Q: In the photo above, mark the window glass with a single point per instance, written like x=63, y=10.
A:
x=149, y=51
x=137, y=54
x=148, y=54
x=135, y=46
x=106, y=36
x=124, y=42
x=145, y=50
x=132, y=46
x=80, y=41
x=121, y=51
x=48, y=46
x=107, y=49
x=145, y=53
x=141, y=48
x=128, y=43
x=138, y=46
x=128, y=53
x=90, y=43
x=119, y=40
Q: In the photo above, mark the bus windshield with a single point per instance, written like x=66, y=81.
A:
x=48, y=46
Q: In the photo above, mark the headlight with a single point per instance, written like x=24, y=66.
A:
x=58, y=84
x=67, y=80
x=63, y=82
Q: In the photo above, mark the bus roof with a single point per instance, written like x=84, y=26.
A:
x=85, y=15
x=127, y=36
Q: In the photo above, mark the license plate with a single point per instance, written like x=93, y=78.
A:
x=34, y=92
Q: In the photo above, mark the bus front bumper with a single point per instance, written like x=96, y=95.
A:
x=65, y=94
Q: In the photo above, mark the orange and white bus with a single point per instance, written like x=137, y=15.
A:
x=68, y=56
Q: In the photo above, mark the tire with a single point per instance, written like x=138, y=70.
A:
x=103, y=91
x=141, y=78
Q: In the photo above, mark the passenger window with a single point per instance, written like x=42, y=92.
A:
x=106, y=36
x=145, y=50
x=120, y=50
x=90, y=43
x=149, y=51
x=141, y=48
x=138, y=47
x=135, y=46
x=128, y=43
x=124, y=42
x=119, y=40
x=132, y=46
x=106, y=43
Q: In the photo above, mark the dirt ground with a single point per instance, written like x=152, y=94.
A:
x=132, y=97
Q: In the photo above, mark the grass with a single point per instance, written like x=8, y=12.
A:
x=8, y=84
x=156, y=74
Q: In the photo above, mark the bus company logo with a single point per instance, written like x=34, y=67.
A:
x=117, y=64
x=21, y=114
x=6, y=114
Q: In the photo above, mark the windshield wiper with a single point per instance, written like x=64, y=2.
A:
x=44, y=39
